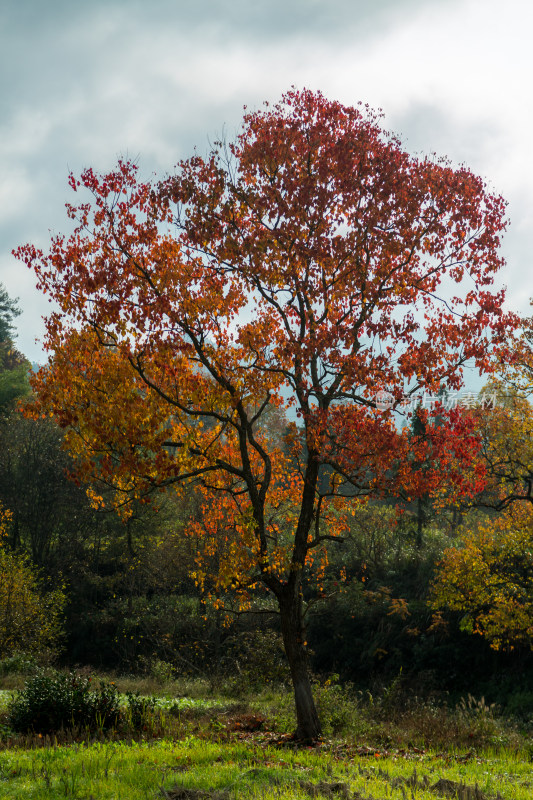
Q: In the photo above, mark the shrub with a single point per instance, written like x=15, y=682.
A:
x=30, y=619
x=162, y=671
x=336, y=706
x=17, y=664
x=51, y=701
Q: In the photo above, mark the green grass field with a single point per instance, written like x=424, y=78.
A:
x=209, y=746
x=198, y=768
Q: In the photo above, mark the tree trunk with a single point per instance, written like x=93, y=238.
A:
x=292, y=629
x=420, y=523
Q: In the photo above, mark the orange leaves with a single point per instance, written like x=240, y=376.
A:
x=232, y=548
x=399, y=607
x=117, y=422
x=5, y=518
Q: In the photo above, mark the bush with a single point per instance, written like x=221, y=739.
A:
x=51, y=701
x=30, y=618
x=336, y=706
x=18, y=664
x=520, y=704
x=162, y=671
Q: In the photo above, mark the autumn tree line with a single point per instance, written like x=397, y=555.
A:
x=125, y=598
x=204, y=473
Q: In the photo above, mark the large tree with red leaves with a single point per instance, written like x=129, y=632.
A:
x=310, y=265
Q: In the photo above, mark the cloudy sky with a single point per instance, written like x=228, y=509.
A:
x=84, y=82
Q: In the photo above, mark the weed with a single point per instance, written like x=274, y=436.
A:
x=139, y=708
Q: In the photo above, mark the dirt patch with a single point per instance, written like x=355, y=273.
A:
x=180, y=793
x=442, y=788
x=246, y=722
x=337, y=789
x=447, y=788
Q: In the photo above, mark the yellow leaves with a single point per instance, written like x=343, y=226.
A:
x=490, y=578
x=198, y=576
x=30, y=619
x=117, y=425
x=507, y=430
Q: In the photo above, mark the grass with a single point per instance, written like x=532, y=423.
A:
x=196, y=768
x=204, y=746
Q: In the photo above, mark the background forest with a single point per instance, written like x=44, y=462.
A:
x=82, y=587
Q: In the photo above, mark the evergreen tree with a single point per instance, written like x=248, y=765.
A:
x=9, y=310
x=14, y=367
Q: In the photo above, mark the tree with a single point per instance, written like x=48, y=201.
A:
x=8, y=312
x=14, y=367
x=30, y=618
x=506, y=435
x=14, y=380
x=47, y=509
x=516, y=373
x=309, y=265
x=427, y=434
x=489, y=578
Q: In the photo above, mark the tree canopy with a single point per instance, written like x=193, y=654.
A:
x=310, y=266
x=489, y=578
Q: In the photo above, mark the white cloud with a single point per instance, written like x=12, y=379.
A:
x=16, y=190
x=90, y=82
